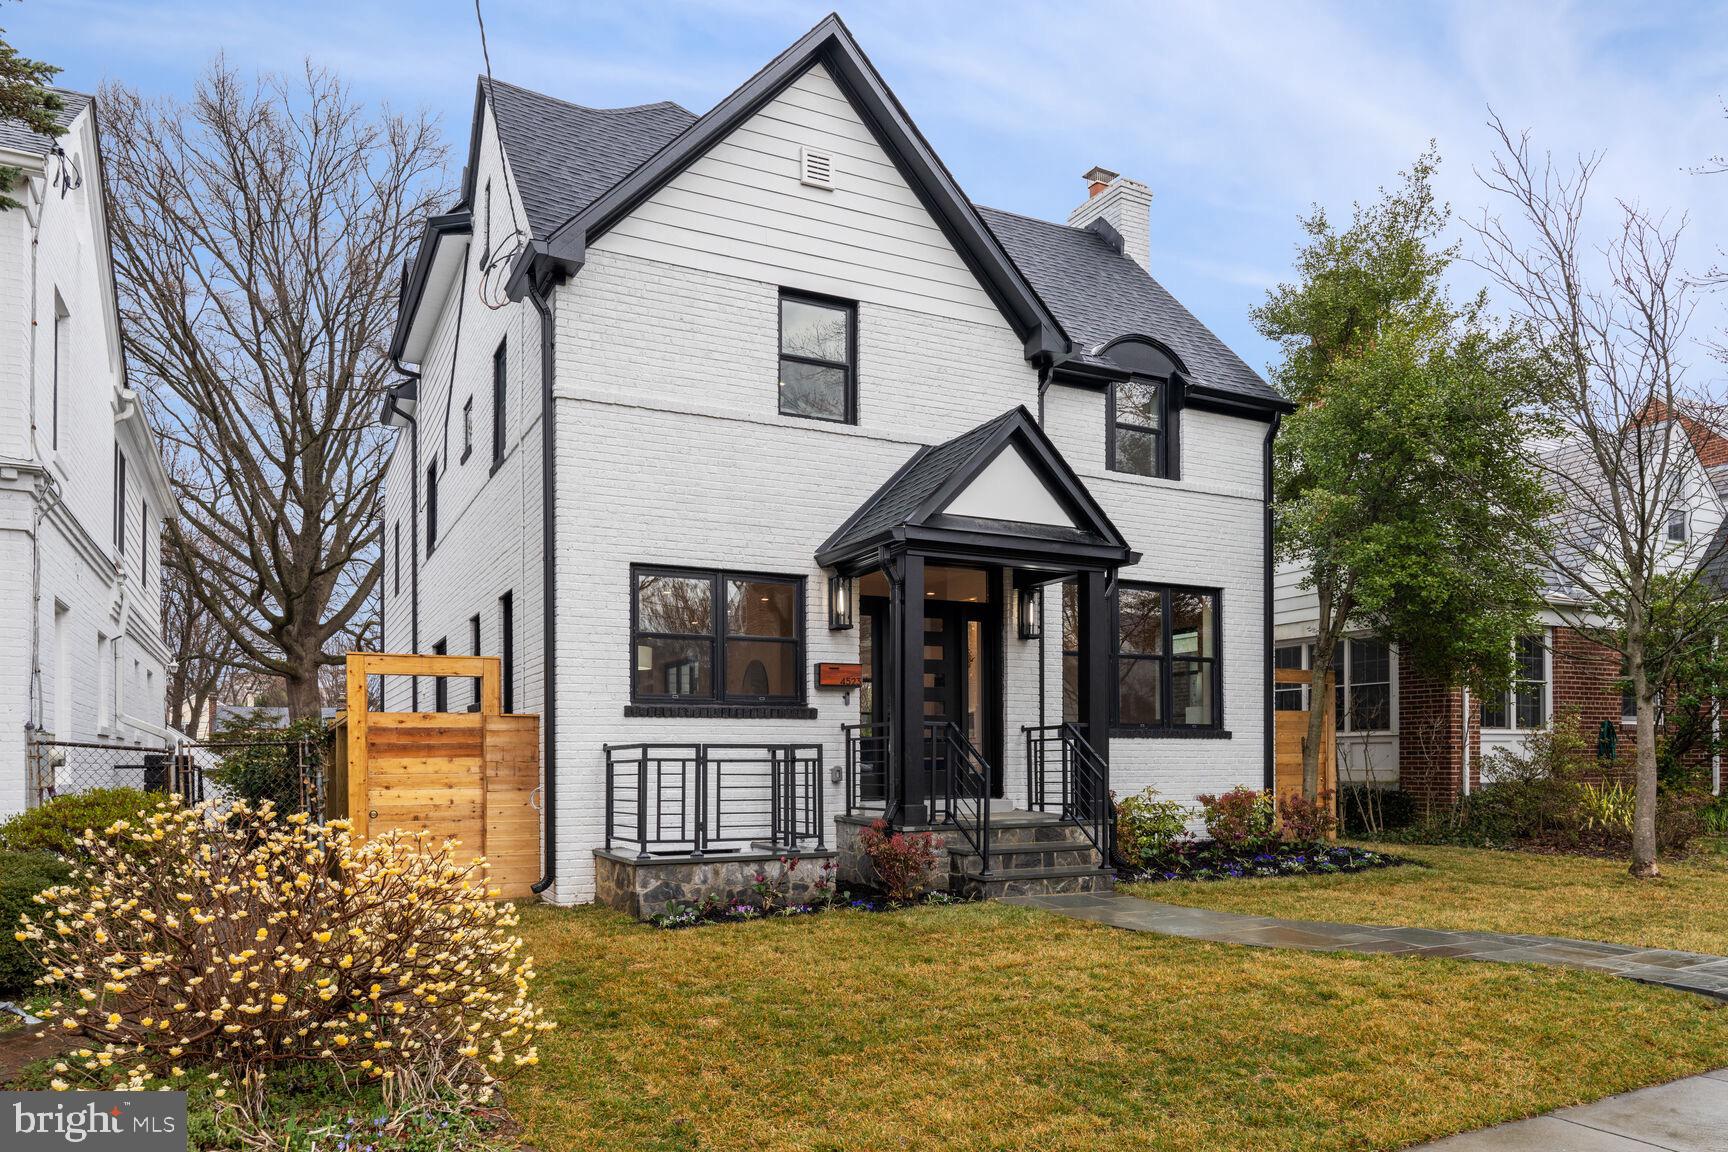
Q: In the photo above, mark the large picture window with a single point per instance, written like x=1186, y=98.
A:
x=1524, y=704
x=716, y=637
x=818, y=348
x=1167, y=673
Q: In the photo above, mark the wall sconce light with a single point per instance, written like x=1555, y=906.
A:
x=839, y=603
x=1031, y=613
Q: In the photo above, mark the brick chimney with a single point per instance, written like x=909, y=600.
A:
x=1125, y=205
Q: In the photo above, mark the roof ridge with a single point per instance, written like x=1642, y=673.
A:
x=585, y=107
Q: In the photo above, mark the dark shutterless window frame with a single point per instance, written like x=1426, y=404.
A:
x=850, y=367
x=717, y=636
x=1160, y=435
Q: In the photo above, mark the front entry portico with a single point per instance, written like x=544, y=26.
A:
x=934, y=551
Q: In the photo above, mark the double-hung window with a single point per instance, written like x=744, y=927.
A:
x=716, y=637
x=1524, y=703
x=818, y=358
x=1137, y=427
x=1362, y=683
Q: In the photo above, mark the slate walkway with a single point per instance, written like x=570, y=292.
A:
x=1687, y=971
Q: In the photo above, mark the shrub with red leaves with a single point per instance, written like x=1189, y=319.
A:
x=902, y=860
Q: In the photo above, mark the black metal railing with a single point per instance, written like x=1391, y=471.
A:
x=867, y=758
x=701, y=799
x=959, y=787
x=1066, y=775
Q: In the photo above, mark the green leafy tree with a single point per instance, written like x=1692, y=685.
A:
x=26, y=98
x=1400, y=483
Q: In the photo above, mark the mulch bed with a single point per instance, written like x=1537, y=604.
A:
x=1207, y=860
x=21, y=1047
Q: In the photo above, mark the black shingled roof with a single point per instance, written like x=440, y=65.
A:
x=922, y=476
x=565, y=156
x=1099, y=294
x=17, y=138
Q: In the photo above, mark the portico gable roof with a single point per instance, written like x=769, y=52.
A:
x=933, y=503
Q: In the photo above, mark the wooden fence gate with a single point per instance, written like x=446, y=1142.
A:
x=1290, y=733
x=469, y=776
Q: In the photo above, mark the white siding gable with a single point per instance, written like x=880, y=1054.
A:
x=1008, y=489
x=742, y=210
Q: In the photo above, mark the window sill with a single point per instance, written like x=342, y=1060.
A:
x=722, y=711
x=497, y=463
x=1171, y=734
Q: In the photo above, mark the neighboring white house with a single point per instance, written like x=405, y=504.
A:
x=797, y=385
x=82, y=489
x=1397, y=729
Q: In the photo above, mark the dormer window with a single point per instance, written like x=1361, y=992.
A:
x=1140, y=421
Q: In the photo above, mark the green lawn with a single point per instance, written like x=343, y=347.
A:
x=1480, y=889
x=992, y=1027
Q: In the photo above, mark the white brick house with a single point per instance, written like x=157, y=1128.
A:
x=82, y=490
x=791, y=380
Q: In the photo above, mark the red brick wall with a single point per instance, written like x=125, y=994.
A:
x=1586, y=678
x=1431, y=740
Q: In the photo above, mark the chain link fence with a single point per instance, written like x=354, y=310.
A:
x=288, y=772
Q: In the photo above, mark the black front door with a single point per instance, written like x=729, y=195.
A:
x=959, y=672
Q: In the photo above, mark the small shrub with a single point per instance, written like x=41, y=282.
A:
x=58, y=825
x=1715, y=818
x=1365, y=810
x=22, y=875
x=902, y=860
x=1147, y=827
x=1305, y=821
x=1605, y=810
x=1559, y=752
x=239, y=942
x=1241, y=817
x=1679, y=818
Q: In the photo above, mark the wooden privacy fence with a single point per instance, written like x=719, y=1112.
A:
x=1290, y=733
x=468, y=776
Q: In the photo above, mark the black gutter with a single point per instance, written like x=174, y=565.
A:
x=548, y=602
x=413, y=530
x=1271, y=769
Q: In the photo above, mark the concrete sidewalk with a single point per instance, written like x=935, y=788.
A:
x=1695, y=972
x=1686, y=1116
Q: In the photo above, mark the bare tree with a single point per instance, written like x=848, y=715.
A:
x=204, y=653
x=257, y=234
x=1613, y=319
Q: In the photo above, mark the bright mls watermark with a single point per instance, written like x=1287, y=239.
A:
x=97, y=1121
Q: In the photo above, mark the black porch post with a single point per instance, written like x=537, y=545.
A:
x=906, y=705
x=1095, y=651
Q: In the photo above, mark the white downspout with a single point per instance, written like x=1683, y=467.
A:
x=1465, y=757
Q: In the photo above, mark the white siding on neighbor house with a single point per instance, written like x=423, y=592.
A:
x=488, y=521
x=93, y=621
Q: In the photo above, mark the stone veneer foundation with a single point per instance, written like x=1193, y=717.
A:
x=644, y=888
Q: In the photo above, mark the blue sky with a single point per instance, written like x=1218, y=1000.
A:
x=1238, y=116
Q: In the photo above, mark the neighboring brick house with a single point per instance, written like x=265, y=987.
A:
x=1398, y=728
x=797, y=436
x=82, y=489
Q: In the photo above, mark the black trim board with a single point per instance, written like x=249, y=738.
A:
x=414, y=285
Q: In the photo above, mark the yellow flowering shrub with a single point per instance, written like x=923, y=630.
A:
x=233, y=939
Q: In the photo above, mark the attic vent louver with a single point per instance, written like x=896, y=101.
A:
x=815, y=168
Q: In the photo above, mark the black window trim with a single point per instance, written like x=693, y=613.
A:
x=1163, y=468
x=467, y=430
x=431, y=506
x=717, y=702
x=1167, y=660
x=507, y=649
x=500, y=399
x=441, y=684
x=396, y=561
x=851, y=368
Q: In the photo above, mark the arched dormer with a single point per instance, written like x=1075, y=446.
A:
x=1143, y=413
